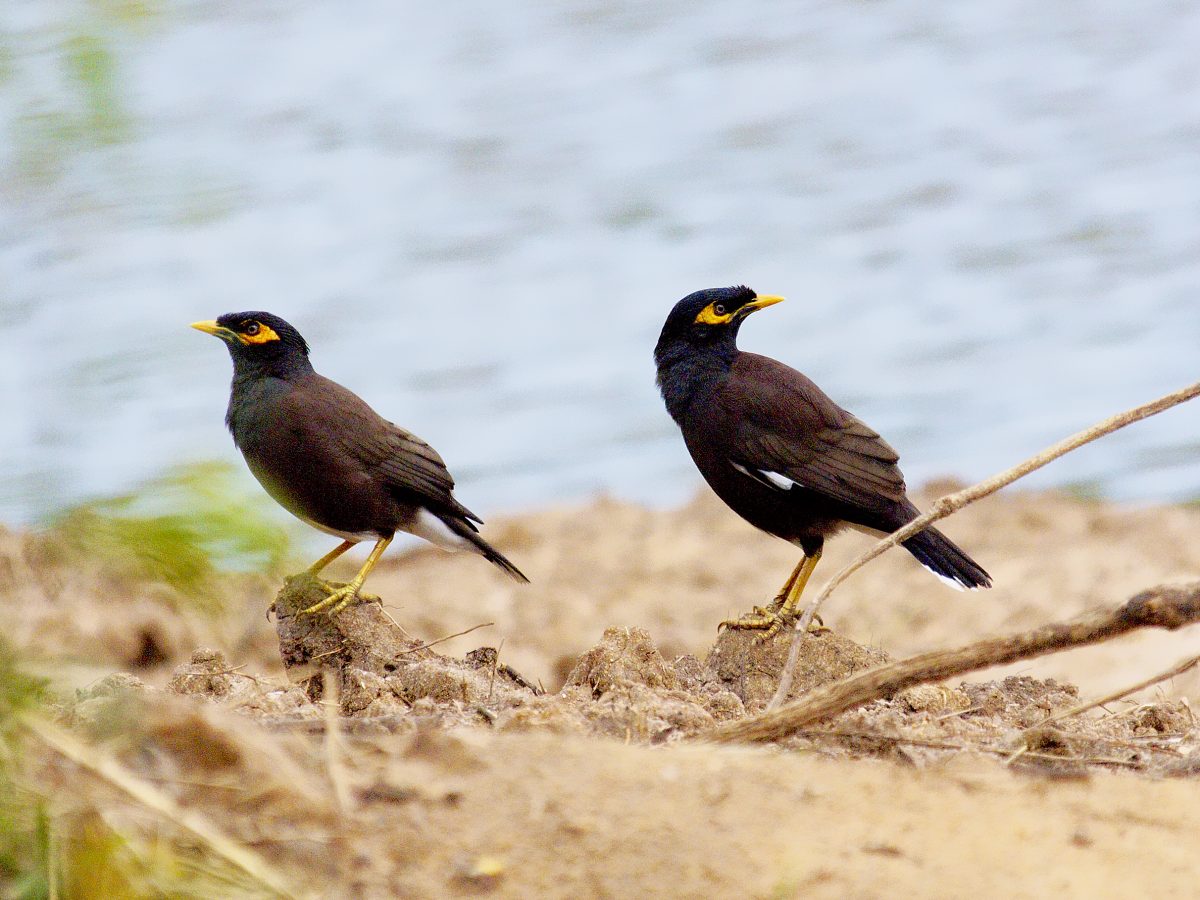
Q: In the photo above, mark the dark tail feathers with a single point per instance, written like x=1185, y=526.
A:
x=468, y=531
x=942, y=557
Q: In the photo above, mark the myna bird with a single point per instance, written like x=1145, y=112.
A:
x=779, y=452
x=330, y=460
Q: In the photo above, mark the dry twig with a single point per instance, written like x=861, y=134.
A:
x=955, y=747
x=399, y=627
x=1178, y=669
x=951, y=503
x=495, y=663
x=449, y=637
x=1160, y=607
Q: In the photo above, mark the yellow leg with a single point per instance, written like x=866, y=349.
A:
x=786, y=590
x=345, y=595
x=783, y=611
x=797, y=583
x=315, y=568
x=764, y=615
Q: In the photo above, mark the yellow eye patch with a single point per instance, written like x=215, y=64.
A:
x=710, y=316
x=264, y=334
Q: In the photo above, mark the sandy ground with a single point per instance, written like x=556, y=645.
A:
x=679, y=573
x=451, y=778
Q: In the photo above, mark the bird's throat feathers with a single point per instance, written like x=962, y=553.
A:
x=286, y=363
x=256, y=382
x=684, y=373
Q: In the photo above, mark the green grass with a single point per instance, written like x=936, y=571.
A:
x=24, y=825
x=183, y=529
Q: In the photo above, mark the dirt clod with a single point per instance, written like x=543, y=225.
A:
x=750, y=667
x=623, y=656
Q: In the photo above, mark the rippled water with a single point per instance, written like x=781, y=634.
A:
x=986, y=218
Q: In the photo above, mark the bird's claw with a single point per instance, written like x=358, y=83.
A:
x=758, y=617
x=770, y=621
x=339, y=598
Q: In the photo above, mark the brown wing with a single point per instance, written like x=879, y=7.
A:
x=788, y=427
x=399, y=458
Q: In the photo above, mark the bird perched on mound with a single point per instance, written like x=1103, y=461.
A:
x=332, y=461
x=779, y=452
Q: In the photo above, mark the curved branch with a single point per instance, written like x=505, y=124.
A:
x=1161, y=607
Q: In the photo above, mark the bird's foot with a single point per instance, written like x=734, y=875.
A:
x=771, y=620
x=758, y=618
x=332, y=587
x=339, y=598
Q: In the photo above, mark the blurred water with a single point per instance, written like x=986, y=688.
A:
x=986, y=218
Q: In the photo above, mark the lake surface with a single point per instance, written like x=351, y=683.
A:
x=985, y=218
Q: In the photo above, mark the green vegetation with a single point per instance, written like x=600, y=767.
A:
x=1088, y=490
x=19, y=692
x=78, y=854
x=182, y=529
x=95, y=862
x=128, y=12
x=88, y=110
x=24, y=825
x=93, y=69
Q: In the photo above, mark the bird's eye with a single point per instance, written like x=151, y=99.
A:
x=251, y=329
x=719, y=309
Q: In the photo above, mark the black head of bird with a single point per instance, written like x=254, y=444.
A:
x=699, y=340
x=709, y=320
x=779, y=451
x=260, y=343
x=324, y=455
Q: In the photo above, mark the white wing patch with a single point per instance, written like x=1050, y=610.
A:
x=784, y=484
x=767, y=477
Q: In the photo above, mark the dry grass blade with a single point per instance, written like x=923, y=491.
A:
x=1161, y=607
x=332, y=705
x=951, y=503
x=956, y=747
x=449, y=637
x=1178, y=669
x=152, y=798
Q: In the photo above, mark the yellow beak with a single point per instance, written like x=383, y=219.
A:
x=211, y=327
x=762, y=301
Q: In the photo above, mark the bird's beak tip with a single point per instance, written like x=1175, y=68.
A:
x=765, y=300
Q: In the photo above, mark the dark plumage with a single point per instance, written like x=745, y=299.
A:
x=779, y=451
x=329, y=459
